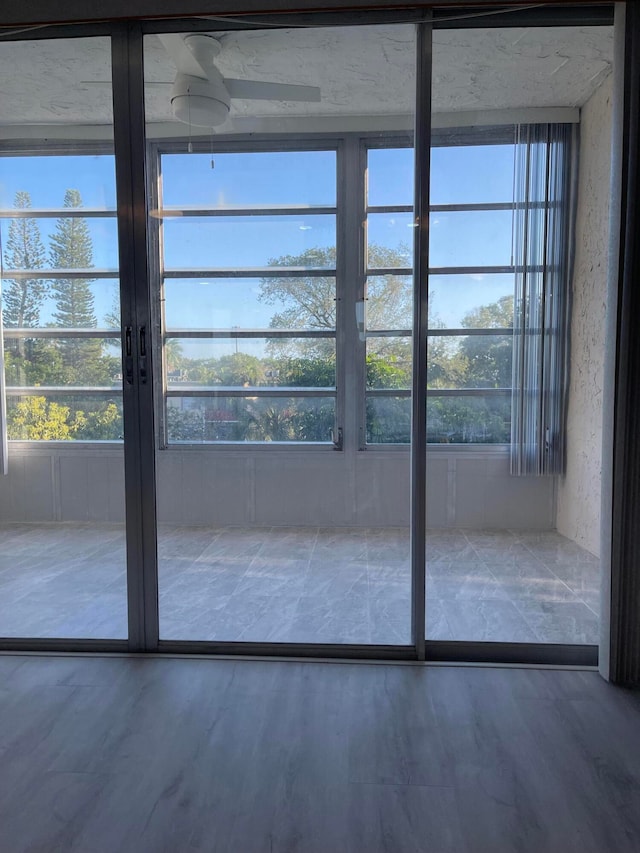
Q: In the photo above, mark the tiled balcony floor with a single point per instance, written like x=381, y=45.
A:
x=301, y=584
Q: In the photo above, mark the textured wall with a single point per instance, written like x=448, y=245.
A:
x=578, y=507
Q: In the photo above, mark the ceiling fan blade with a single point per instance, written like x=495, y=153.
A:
x=259, y=90
x=181, y=55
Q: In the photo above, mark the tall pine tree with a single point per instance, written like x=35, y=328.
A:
x=22, y=298
x=72, y=248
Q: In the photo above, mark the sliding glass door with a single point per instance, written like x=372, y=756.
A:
x=62, y=506
x=298, y=335
x=519, y=230
x=281, y=227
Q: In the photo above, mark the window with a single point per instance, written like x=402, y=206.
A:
x=248, y=282
x=272, y=298
x=60, y=296
x=469, y=355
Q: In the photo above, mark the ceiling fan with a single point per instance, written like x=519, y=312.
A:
x=201, y=96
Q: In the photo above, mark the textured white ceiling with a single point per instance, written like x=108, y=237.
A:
x=360, y=70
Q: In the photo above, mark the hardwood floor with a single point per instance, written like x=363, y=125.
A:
x=129, y=755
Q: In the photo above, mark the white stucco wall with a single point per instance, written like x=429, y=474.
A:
x=578, y=497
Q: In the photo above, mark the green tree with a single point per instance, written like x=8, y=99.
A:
x=104, y=423
x=22, y=298
x=72, y=248
x=309, y=302
x=36, y=419
x=489, y=359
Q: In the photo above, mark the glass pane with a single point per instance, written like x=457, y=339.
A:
x=62, y=362
x=471, y=301
x=470, y=238
x=68, y=243
x=388, y=420
x=469, y=420
x=220, y=418
x=389, y=362
x=472, y=361
x=390, y=176
x=32, y=302
x=64, y=417
x=248, y=179
x=241, y=242
x=390, y=240
x=62, y=506
x=260, y=542
x=292, y=362
x=389, y=302
x=250, y=303
x=472, y=174
x=48, y=184
x=498, y=544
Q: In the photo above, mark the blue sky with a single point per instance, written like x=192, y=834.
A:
x=458, y=175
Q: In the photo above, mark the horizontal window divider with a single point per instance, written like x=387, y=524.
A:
x=58, y=213
x=450, y=333
x=485, y=270
x=258, y=210
x=59, y=332
x=249, y=272
x=440, y=392
x=468, y=392
x=389, y=333
x=60, y=273
x=389, y=208
x=470, y=207
x=244, y=446
x=371, y=271
x=440, y=333
x=62, y=391
x=249, y=333
x=388, y=392
x=251, y=391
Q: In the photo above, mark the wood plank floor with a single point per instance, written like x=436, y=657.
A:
x=131, y=754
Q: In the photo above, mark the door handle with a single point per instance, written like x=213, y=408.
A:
x=128, y=356
x=142, y=334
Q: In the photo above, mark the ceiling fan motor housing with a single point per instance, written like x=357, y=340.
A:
x=200, y=102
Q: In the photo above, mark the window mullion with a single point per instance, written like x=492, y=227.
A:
x=350, y=290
